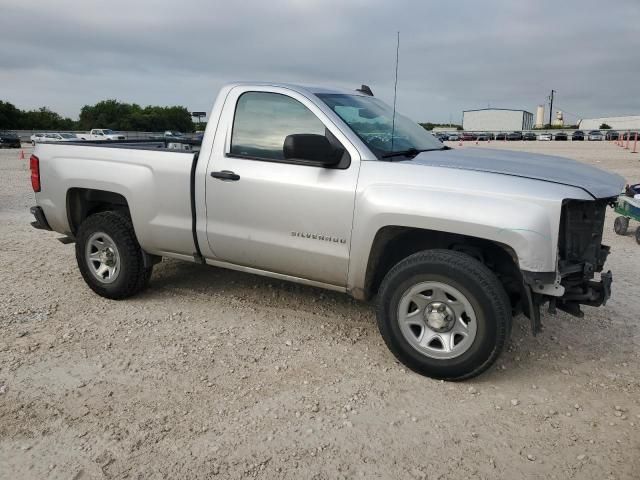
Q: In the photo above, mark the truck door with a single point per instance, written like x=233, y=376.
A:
x=272, y=212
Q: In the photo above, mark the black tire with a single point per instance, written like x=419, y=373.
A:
x=132, y=276
x=476, y=282
x=638, y=235
x=620, y=225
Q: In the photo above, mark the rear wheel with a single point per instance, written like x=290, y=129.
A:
x=109, y=256
x=444, y=314
x=620, y=225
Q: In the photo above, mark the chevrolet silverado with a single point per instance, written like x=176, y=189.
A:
x=332, y=188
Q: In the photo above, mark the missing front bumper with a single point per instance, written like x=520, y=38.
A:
x=593, y=293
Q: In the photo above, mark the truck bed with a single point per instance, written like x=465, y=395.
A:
x=144, y=144
x=155, y=181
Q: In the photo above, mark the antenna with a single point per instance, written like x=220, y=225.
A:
x=395, y=94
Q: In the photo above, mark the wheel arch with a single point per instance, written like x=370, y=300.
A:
x=82, y=202
x=392, y=244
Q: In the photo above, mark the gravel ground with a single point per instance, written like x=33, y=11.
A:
x=218, y=374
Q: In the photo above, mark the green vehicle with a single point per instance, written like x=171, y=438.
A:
x=628, y=207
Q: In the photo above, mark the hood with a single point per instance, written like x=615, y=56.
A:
x=548, y=168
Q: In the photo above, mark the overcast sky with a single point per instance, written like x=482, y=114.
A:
x=453, y=55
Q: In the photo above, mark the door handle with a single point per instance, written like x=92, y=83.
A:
x=226, y=175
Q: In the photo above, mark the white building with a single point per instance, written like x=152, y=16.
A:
x=540, y=116
x=496, y=119
x=616, y=123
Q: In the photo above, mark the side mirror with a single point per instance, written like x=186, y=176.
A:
x=311, y=147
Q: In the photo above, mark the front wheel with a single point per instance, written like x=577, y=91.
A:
x=444, y=314
x=109, y=256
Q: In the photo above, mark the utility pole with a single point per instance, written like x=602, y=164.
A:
x=551, y=106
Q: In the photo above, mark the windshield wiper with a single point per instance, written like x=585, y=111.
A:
x=412, y=152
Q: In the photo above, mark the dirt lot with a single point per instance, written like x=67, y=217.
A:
x=217, y=374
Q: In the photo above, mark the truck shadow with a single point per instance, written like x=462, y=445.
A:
x=566, y=344
x=173, y=276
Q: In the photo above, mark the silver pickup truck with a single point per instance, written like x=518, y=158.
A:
x=326, y=187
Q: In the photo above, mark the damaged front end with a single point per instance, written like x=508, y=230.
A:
x=581, y=256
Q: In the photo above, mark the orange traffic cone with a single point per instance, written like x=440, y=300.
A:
x=21, y=154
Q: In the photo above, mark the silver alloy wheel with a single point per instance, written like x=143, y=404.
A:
x=102, y=257
x=437, y=320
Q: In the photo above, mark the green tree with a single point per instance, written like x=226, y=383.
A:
x=107, y=114
x=10, y=116
x=604, y=126
x=104, y=114
x=45, y=119
x=125, y=116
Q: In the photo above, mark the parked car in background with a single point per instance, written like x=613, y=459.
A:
x=501, y=136
x=174, y=135
x=468, y=136
x=578, y=135
x=514, y=136
x=611, y=135
x=595, y=135
x=529, y=136
x=561, y=136
x=545, y=137
x=482, y=137
x=170, y=135
x=36, y=137
x=9, y=139
x=630, y=135
x=59, y=137
x=104, y=134
x=453, y=137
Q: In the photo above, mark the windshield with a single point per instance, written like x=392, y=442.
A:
x=107, y=131
x=371, y=120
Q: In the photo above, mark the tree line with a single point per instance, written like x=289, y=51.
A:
x=104, y=114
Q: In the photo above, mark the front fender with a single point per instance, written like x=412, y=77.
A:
x=528, y=226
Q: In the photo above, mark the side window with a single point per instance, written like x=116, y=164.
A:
x=263, y=120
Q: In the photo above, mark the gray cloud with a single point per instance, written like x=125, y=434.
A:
x=453, y=56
